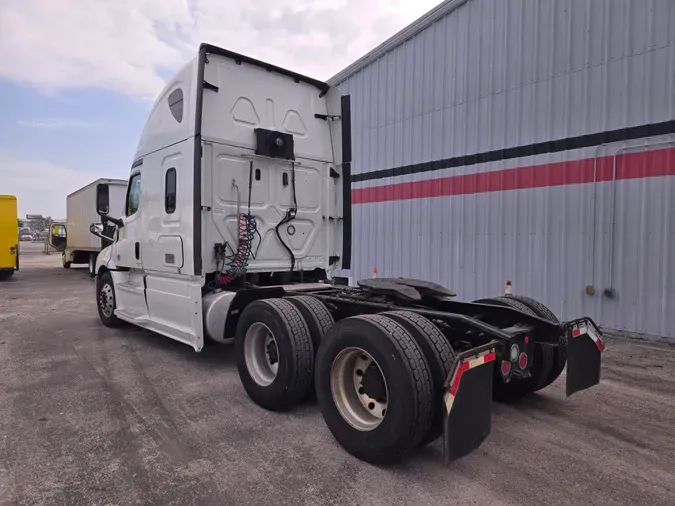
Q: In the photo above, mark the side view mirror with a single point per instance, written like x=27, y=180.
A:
x=102, y=199
x=103, y=204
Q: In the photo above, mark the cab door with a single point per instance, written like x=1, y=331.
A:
x=127, y=248
x=129, y=277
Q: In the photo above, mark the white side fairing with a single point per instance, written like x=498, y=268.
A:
x=250, y=97
x=152, y=262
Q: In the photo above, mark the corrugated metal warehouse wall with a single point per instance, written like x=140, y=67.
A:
x=456, y=180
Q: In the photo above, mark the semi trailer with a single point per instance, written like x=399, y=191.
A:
x=237, y=214
x=75, y=240
x=9, y=237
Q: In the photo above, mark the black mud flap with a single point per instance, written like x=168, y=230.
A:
x=468, y=401
x=584, y=346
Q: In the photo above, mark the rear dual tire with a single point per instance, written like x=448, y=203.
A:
x=399, y=358
x=547, y=363
x=274, y=353
x=406, y=411
x=559, y=353
x=439, y=355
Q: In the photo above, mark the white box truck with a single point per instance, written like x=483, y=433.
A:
x=239, y=209
x=75, y=240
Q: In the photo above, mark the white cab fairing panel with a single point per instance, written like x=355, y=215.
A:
x=175, y=309
x=130, y=296
x=168, y=232
x=270, y=199
x=162, y=129
x=250, y=97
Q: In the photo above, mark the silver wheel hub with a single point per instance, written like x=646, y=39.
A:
x=106, y=300
x=261, y=354
x=359, y=389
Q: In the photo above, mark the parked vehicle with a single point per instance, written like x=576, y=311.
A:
x=238, y=209
x=75, y=240
x=9, y=236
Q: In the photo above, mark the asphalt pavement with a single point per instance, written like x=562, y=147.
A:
x=96, y=416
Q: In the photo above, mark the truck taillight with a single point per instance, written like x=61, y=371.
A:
x=522, y=361
x=514, y=352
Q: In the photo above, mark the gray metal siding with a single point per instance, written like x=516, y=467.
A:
x=493, y=75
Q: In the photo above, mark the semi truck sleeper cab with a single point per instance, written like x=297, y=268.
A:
x=238, y=211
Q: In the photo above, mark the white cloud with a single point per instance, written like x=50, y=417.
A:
x=58, y=123
x=130, y=46
x=125, y=45
x=40, y=187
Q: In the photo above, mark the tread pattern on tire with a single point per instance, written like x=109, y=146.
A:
x=436, y=337
x=536, y=306
x=301, y=346
x=419, y=368
x=560, y=353
x=513, y=391
x=444, y=357
x=318, y=311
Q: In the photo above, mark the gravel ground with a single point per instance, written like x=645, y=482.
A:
x=90, y=415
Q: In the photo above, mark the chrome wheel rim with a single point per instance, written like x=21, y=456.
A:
x=261, y=354
x=359, y=389
x=106, y=300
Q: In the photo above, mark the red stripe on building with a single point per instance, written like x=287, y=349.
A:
x=638, y=165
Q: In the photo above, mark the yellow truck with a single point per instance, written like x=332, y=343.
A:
x=9, y=237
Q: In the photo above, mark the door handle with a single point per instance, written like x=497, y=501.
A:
x=137, y=250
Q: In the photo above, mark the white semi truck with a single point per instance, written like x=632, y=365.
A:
x=74, y=239
x=237, y=211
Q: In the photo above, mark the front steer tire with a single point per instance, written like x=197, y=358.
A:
x=409, y=386
x=294, y=354
x=106, y=301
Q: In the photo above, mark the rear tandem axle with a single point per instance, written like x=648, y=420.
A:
x=396, y=363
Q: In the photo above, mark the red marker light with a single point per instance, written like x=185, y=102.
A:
x=506, y=368
x=527, y=340
x=522, y=361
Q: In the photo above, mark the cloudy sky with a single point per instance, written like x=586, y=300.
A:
x=77, y=77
